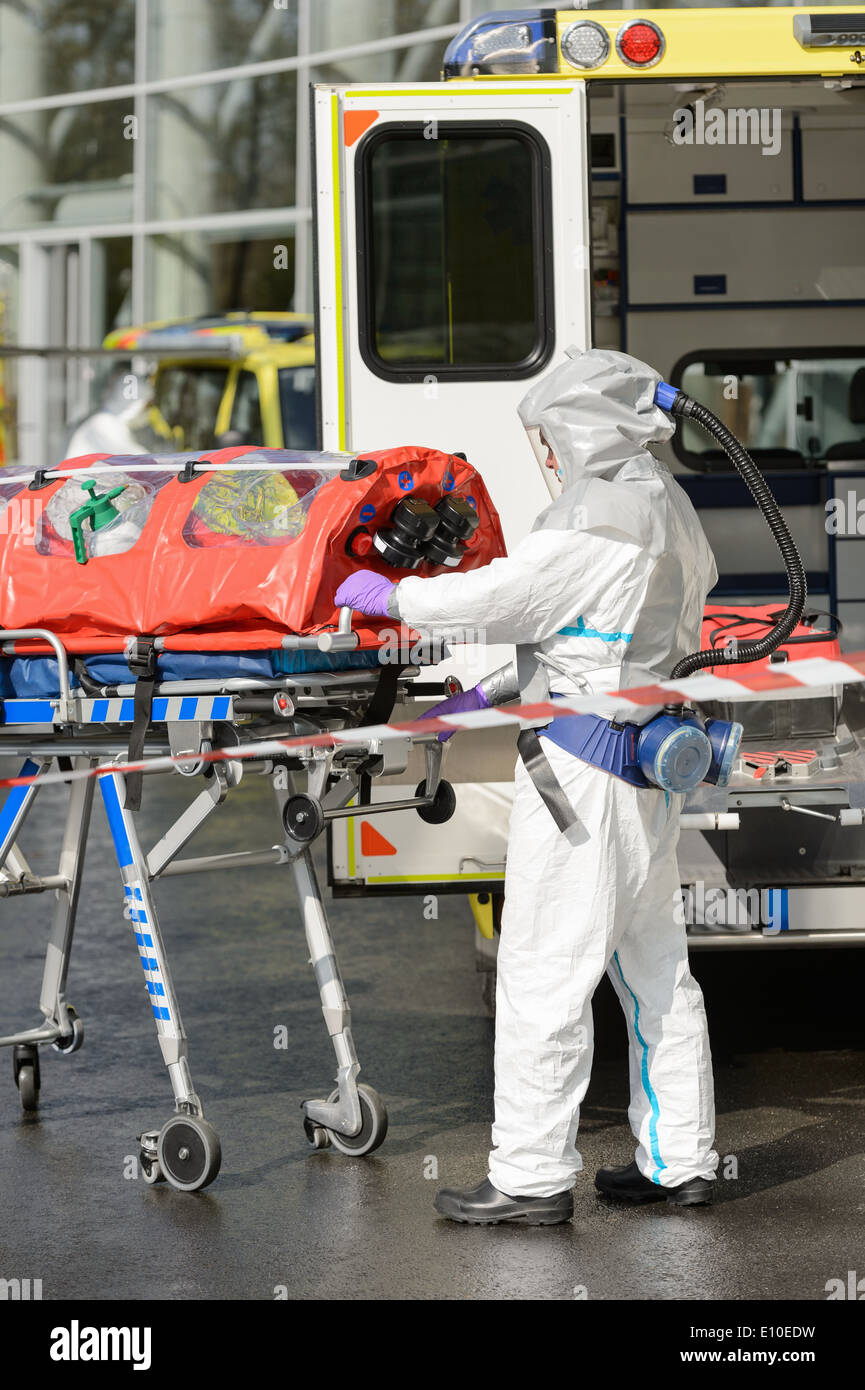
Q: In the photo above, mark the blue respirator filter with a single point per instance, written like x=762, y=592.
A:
x=673, y=753
x=724, y=739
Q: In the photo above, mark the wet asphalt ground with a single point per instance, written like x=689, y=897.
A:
x=789, y=1042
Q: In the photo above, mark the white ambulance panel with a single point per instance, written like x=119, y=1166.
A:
x=745, y=256
x=661, y=171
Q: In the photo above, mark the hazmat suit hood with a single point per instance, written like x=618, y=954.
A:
x=596, y=411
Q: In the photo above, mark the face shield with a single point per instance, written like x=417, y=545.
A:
x=551, y=469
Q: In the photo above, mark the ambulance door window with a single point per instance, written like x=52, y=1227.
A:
x=454, y=272
x=790, y=411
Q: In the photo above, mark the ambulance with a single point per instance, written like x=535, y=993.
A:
x=688, y=186
x=244, y=378
x=173, y=385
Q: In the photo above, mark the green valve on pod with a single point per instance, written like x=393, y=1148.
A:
x=98, y=510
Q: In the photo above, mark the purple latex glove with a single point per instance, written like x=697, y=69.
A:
x=462, y=703
x=365, y=592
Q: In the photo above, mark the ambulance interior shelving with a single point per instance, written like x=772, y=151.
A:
x=755, y=315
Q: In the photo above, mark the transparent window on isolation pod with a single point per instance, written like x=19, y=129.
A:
x=19, y=507
x=126, y=501
x=253, y=507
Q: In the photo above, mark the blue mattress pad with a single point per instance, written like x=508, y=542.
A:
x=28, y=677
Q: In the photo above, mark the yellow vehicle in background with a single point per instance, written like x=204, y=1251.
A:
x=239, y=378
x=180, y=385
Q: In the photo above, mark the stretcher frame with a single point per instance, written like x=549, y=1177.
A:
x=78, y=733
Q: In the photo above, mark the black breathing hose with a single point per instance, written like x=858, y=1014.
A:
x=762, y=495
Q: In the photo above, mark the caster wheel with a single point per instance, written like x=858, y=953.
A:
x=25, y=1069
x=318, y=1136
x=73, y=1041
x=188, y=1152
x=303, y=818
x=27, y=1088
x=150, y=1169
x=373, y=1129
x=444, y=804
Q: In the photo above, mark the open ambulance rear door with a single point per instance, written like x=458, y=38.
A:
x=452, y=267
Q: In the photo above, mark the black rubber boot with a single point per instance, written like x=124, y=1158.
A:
x=486, y=1206
x=628, y=1185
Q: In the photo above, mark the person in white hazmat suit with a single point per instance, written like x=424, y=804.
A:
x=606, y=591
x=110, y=429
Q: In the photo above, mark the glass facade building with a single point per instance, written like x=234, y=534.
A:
x=155, y=153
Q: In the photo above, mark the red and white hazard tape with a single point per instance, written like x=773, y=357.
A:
x=814, y=672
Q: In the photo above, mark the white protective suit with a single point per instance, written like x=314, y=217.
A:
x=606, y=591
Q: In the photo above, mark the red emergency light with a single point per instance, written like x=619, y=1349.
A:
x=640, y=43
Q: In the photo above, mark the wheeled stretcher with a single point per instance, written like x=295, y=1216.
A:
x=99, y=689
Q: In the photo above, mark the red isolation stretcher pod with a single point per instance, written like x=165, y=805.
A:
x=232, y=549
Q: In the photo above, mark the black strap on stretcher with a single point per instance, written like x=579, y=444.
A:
x=378, y=711
x=141, y=660
x=85, y=680
x=380, y=707
x=547, y=784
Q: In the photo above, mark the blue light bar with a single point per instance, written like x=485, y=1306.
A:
x=504, y=41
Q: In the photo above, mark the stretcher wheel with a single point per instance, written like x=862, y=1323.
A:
x=373, y=1129
x=188, y=1152
x=443, y=805
x=25, y=1069
x=317, y=1135
x=150, y=1169
x=73, y=1041
x=303, y=818
x=27, y=1088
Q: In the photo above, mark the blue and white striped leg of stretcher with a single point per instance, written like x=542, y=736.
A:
x=139, y=907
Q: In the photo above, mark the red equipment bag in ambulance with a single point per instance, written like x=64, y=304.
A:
x=815, y=716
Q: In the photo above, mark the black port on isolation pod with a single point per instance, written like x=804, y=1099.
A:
x=401, y=544
x=457, y=521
